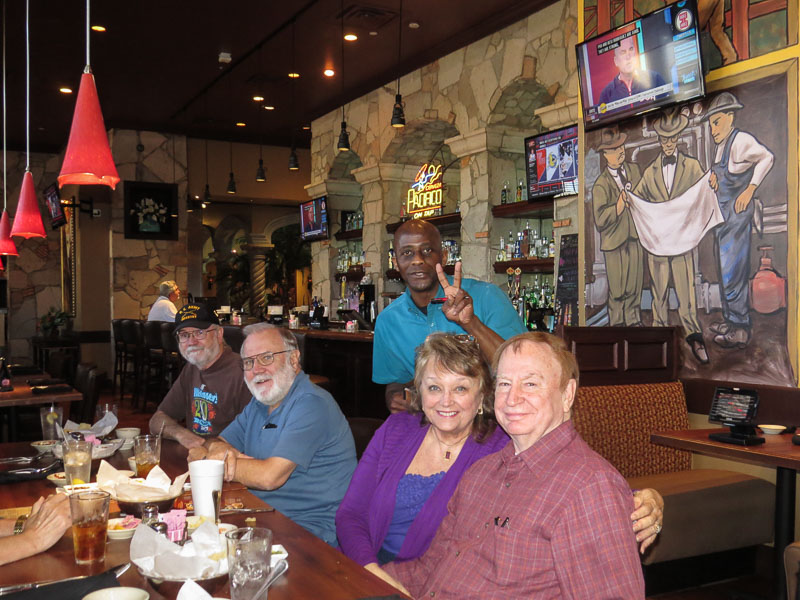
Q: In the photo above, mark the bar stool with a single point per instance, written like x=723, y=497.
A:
x=119, y=351
x=321, y=380
x=152, y=359
x=233, y=336
x=131, y=332
x=173, y=361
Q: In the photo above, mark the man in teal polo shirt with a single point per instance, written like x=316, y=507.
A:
x=291, y=446
x=471, y=307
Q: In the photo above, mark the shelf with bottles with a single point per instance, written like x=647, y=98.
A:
x=349, y=264
x=533, y=299
x=531, y=249
x=353, y=273
x=527, y=265
x=447, y=223
x=352, y=234
x=352, y=225
x=536, y=209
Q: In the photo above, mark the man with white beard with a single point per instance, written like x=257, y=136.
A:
x=209, y=392
x=291, y=446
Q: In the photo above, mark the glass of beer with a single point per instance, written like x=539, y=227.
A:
x=77, y=457
x=89, y=524
x=147, y=453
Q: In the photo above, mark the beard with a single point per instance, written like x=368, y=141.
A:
x=202, y=356
x=282, y=381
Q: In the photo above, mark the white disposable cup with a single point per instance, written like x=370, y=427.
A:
x=206, y=476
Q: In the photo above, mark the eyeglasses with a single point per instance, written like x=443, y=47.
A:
x=185, y=336
x=265, y=359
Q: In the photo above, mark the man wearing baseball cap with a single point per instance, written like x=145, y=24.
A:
x=210, y=391
x=619, y=240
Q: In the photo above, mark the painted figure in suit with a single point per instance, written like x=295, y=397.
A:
x=668, y=176
x=618, y=238
x=740, y=165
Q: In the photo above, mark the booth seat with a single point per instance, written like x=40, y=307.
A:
x=705, y=510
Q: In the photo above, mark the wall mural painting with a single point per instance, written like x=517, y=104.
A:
x=686, y=216
x=732, y=30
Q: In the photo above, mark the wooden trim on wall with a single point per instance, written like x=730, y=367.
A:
x=777, y=404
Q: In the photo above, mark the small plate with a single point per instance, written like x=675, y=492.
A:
x=772, y=429
x=120, y=534
x=278, y=553
x=44, y=446
x=118, y=593
x=58, y=479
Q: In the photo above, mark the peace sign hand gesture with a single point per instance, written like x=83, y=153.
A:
x=458, y=307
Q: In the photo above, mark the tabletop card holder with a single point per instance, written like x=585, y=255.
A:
x=737, y=409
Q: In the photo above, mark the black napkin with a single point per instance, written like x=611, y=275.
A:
x=30, y=472
x=51, y=389
x=45, y=381
x=68, y=590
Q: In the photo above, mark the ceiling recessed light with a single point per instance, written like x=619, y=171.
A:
x=269, y=107
x=373, y=33
x=329, y=72
x=99, y=28
x=240, y=124
x=306, y=127
x=294, y=75
x=351, y=37
x=65, y=90
x=413, y=25
x=258, y=98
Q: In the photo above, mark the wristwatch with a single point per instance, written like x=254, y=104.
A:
x=20, y=524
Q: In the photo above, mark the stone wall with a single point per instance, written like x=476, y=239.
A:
x=140, y=265
x=34, y=277
x=475, y=104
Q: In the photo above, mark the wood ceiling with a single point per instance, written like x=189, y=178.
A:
x=157, y=66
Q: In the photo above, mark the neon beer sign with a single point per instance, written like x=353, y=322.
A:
x=425, y=195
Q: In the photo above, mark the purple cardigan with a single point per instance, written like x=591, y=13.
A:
x=366, y=511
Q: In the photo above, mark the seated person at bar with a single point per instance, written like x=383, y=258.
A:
x=400, y=489
x=546, y=516
x=163, y=308
x=209, y=392
x=24, y=537
x=473, y=307
x=292, y=445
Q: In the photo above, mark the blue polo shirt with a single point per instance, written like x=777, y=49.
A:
x=402, y=327
x=309, y=429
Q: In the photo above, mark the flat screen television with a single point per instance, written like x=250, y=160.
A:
x=643, y=65
x=314, y=219
x=551, y=161
x=53, y=200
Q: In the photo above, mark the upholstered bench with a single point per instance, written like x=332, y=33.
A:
x=705, y=510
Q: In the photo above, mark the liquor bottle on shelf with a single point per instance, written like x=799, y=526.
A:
x=519, y=191
x=504, y=193
x=392, y=259
x=510, y=245
x=533, y=249
x=501, y=254
x=551, y=247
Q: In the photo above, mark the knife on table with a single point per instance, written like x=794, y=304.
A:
x=9, y=589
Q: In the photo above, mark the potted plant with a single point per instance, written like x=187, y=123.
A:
x=50, y=322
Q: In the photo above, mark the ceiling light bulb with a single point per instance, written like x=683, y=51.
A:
x=269, y=107
x=329, y=72
x=294, y=75
x=306, y=127
x=99, y=28
x=373, y=33
x=351, y=37
x=258, y=98
x=241, y=124
x=413, y=25
x=65, y=90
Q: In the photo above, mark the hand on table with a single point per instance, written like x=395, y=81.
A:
x=48, y=521
x=648, y=516
x=458, y=307
x=189, y=440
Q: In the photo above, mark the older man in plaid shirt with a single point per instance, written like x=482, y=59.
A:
x=546, y=517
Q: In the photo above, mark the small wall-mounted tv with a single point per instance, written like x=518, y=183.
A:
x=314, y=219
x=53, y=200
x=551, y=161
x=643, y=65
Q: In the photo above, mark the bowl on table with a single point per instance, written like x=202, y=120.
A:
x=136, y=508
x=117, y=532
x=58, y=479
x=772, y=429
x=118, y=593
x=127, y=433
x=169, y=588
x=44, y=446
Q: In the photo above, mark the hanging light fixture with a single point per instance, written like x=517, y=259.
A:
x=88, y=159
x=207, y=192
x=261, y=173
x=343, y=145
x=7, y=246
x=398, y=115
x=294, y=164
x=28, y=220
x=231, y=189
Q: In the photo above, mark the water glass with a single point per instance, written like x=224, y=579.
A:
x=103, y=408
x=89, y=524
x=77, y=457
x=147, y=453
x=50, y=415
x=249, y=556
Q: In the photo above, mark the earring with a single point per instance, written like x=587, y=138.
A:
x=480, y=410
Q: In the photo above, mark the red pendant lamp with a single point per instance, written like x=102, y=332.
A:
x=28, y=220
x=88, y=159
x=7, y=246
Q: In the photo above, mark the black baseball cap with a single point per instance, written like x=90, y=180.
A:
x=195, y=315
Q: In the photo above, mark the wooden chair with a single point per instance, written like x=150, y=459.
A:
x=363, y=428
x=119, y=351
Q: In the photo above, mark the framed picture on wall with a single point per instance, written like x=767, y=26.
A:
x=151, y=210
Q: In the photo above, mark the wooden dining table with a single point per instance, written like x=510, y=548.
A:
x=22, y=395
x=316, y=570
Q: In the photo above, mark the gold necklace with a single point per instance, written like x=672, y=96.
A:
x=445, y=444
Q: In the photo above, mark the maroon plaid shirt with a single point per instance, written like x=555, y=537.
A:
x=552, y=522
